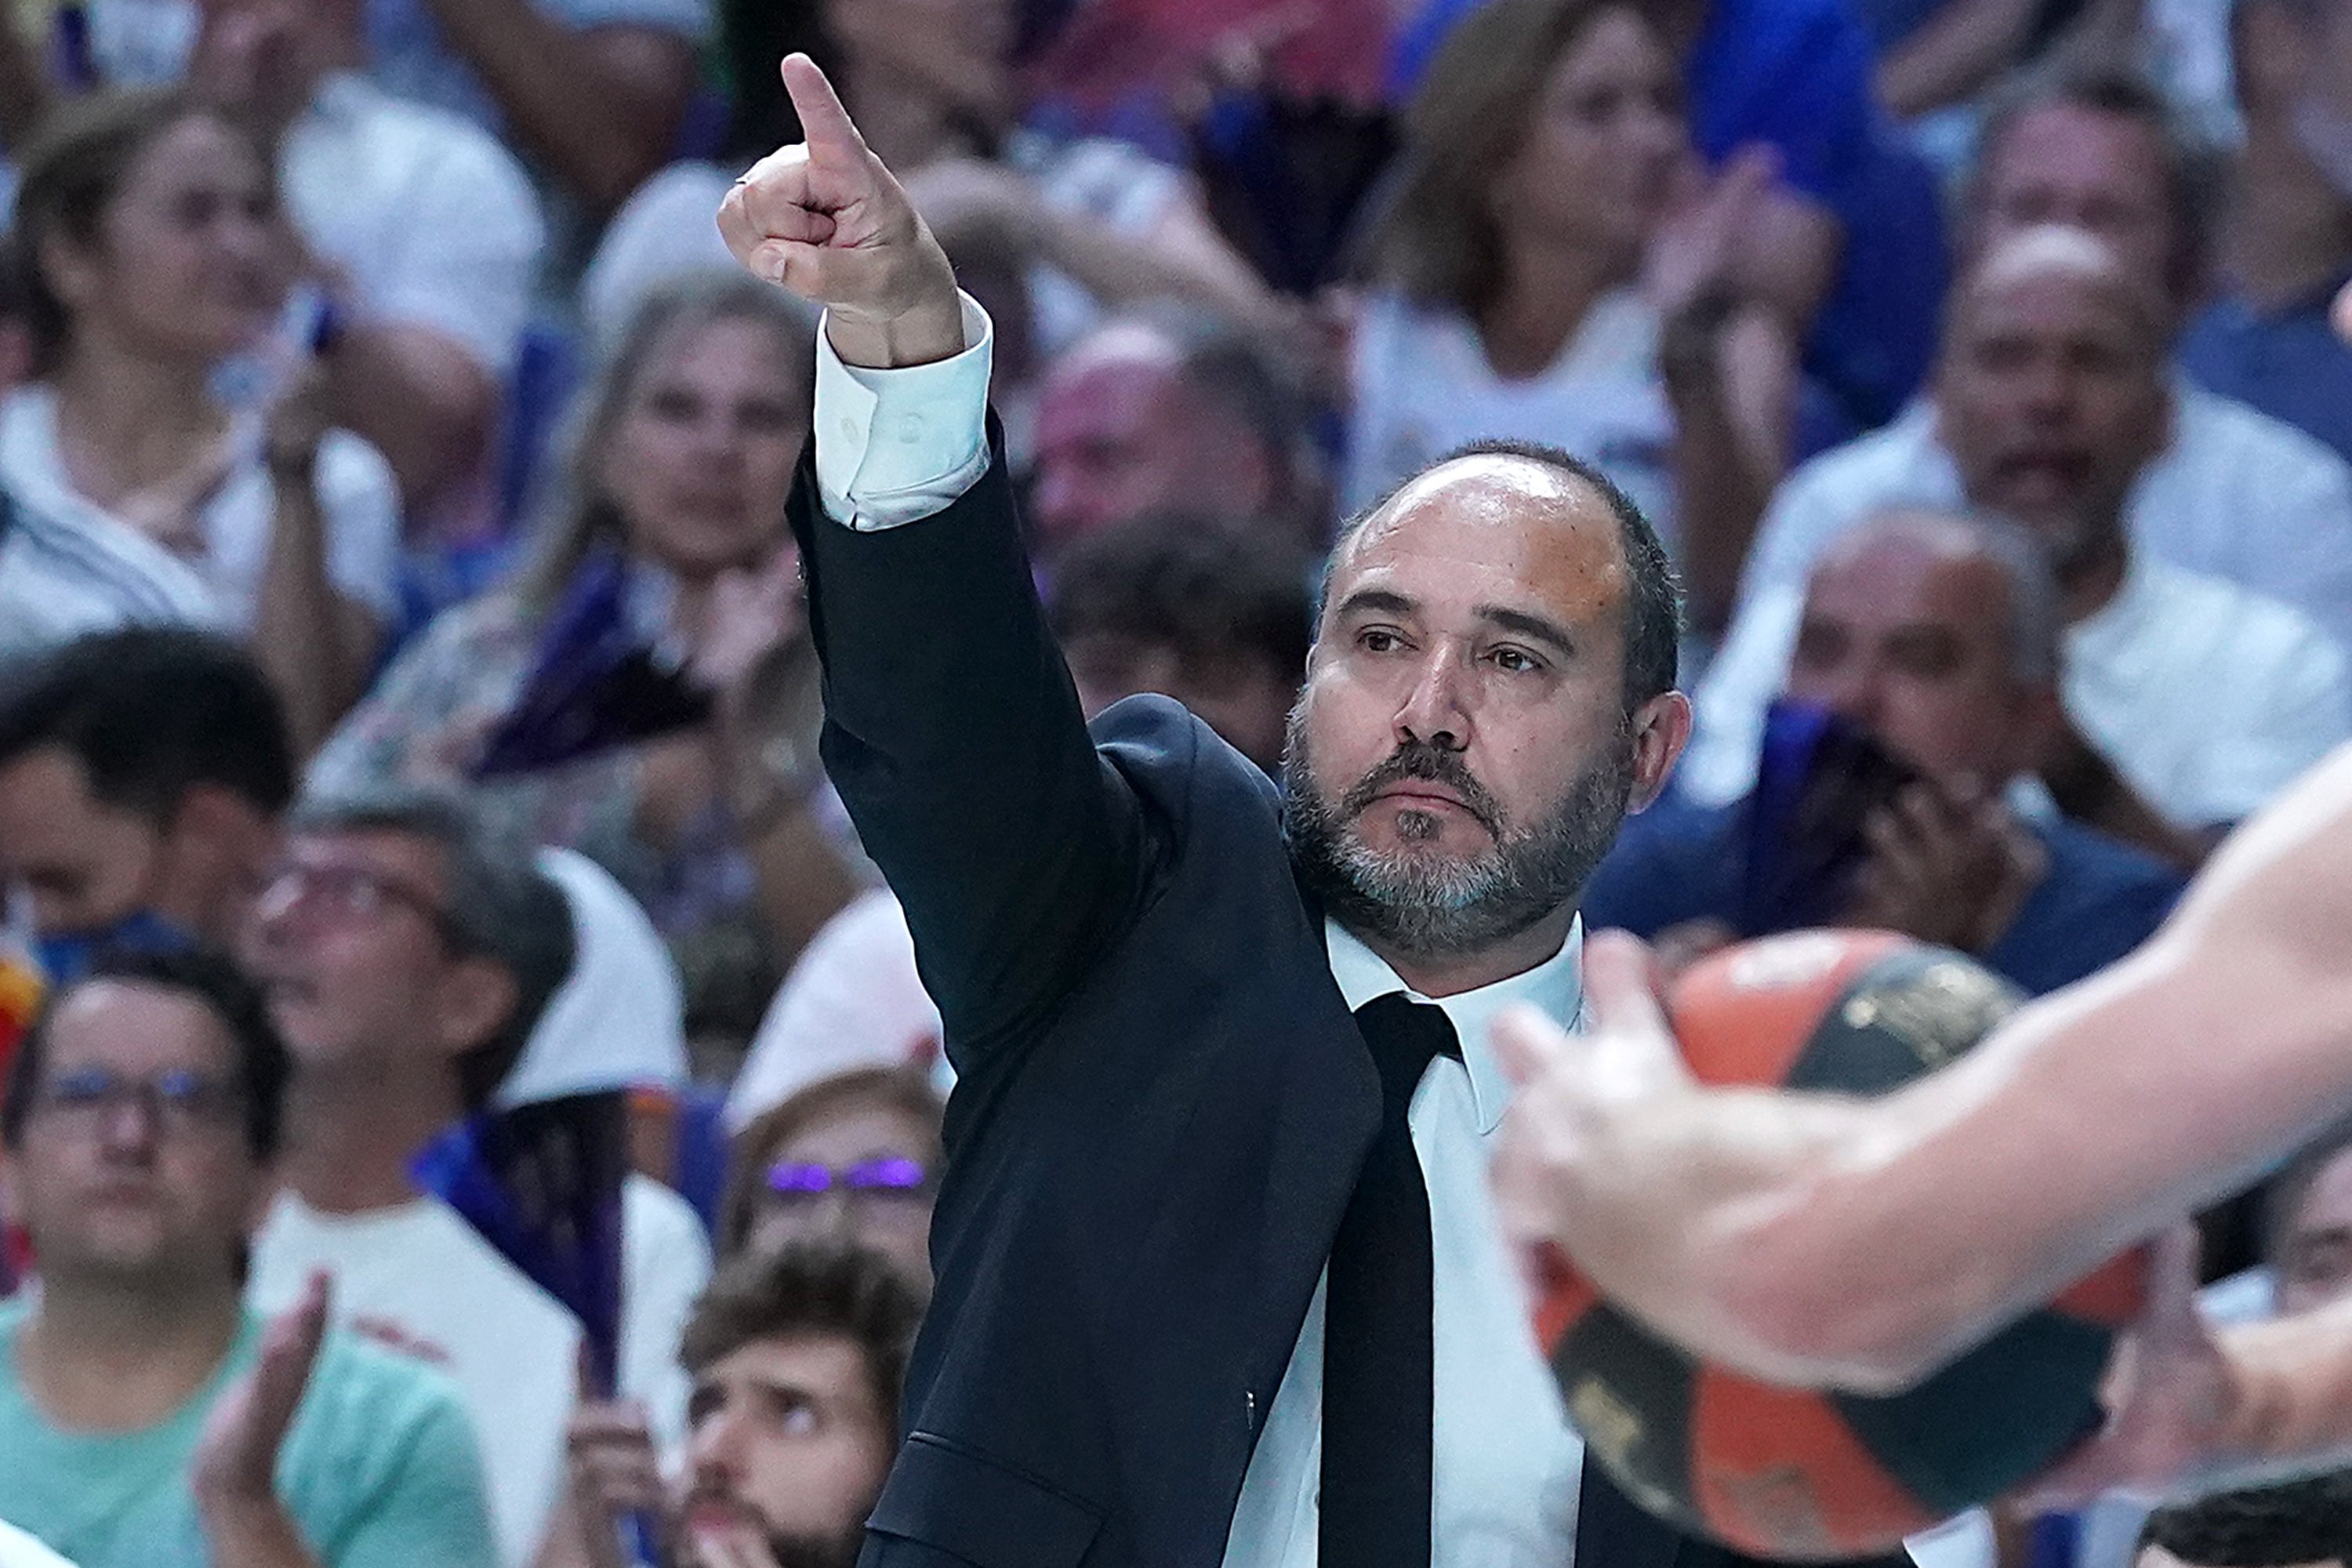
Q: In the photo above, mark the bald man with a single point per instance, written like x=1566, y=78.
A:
x=1936, y=635
x=2051, y=397
x=1171, y=411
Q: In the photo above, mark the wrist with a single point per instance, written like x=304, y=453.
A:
x=923, y=333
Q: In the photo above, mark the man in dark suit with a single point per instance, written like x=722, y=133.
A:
x=1218, y=1278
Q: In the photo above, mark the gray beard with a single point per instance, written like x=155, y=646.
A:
x=1433, y=907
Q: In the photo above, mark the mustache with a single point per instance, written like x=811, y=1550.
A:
x=1423, y=759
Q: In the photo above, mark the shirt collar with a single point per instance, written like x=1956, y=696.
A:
x=1554, y=986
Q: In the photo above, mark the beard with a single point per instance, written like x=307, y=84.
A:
x=802, y=1549
x=1442, y=906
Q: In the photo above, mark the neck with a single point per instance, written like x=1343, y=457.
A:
x=350, y=1133
x=2290, y=230
x=1548, y=291
x=111, y=1356
x=2089, y=580
x=126, y=420
x=1452, y=974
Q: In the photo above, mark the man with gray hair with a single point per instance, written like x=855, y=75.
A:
x=1935, y=636
x=2190, y=699
x=409, y=956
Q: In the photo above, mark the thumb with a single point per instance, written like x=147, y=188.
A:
x=1621, y=983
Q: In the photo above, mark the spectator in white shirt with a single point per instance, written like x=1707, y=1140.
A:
x=424, y=236
x=411, y=962
x=2191, y=699
x=2229, y=491
x=148, y=233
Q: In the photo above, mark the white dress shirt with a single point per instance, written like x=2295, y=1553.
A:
x=894, y=447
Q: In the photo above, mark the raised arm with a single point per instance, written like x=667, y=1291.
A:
x=1863, y=1244
x=951, y=729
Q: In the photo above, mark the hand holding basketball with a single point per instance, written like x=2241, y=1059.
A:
x=828, y=221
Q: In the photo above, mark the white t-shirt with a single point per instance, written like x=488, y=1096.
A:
x=2237, y=495
x=1423, y=386
x=2207, y=697
x=433, y=221
x=18, y=1549
x=357, y=494
x=62, y=576
x=512, y=1348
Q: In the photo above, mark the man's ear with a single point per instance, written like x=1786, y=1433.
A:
x=1662, y=728
x=2270, y=52
x=475, y=997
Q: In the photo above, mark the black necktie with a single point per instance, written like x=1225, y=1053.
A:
x=1379, y=1370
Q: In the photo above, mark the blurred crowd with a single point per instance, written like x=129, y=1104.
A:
x=468, y=1098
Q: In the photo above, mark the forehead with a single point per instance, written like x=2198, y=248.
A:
x=196, y=147
x=828, y=1366
x=737, y=348
x=1123, y=377
x=2080, y=148
x=388, y=850
x=2051, y=302
x=1492, y=530
x=1899, y=581
x=132, y=1025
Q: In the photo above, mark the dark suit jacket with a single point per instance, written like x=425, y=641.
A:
x=1162, y=1100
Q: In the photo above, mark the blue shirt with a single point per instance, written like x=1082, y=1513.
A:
x=2289, y=364
x=2099, y=900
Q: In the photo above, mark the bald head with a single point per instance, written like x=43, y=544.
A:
x=2051, y=390
x=1937, y=634
x=1166, y=411
x=1503, y=486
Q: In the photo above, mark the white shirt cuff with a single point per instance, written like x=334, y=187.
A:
x=894, y=445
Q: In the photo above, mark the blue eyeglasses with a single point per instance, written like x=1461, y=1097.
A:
x=887, y=1178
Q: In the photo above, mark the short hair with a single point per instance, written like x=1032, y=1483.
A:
x=1199, y=586
x=74, y=167
x=1231, y=369
x=2036, y=621
x=751, y=1151
x=151, y=713
x=810, y=1288
x=496, y=904
x=1653, y=589
x=2306, y=1520
x=2192, y=166
x=260, y=1065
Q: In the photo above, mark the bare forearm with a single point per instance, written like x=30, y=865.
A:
x=1956, y=52
x=315, y=647
x=420, y=398
x=1185, y=260
x=600, y=108
x=1729, y=445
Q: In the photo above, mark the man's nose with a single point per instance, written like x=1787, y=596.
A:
x=1436, y=711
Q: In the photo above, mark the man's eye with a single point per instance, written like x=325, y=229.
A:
x=1373, y=639
x=1515, y=660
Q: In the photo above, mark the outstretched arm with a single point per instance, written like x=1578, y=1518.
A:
x=951, y=728
x=1813, y=1239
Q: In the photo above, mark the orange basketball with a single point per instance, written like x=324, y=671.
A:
x=1814, y=1474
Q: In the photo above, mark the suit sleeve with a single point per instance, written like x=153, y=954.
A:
x=955, y=738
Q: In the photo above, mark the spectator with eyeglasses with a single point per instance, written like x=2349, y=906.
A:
x=408, y=955
x=148, y=1418
x=854, y=1155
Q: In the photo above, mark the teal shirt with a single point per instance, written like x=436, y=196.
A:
x=378, y=1471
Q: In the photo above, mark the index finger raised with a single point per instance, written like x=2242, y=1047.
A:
x=824, y=123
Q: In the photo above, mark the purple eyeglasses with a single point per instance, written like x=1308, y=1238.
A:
x=887, y=1178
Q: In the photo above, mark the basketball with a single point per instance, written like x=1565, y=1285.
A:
x=1811, y=1474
